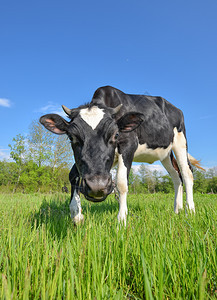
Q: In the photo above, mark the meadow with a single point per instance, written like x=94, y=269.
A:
x=159, y=255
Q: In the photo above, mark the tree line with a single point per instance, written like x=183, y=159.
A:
x=147, y=181
x=41, y=162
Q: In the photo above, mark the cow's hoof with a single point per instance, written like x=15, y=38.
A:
x=79, y=219
x=122, y=220
x=189, y=210
x=177, y=210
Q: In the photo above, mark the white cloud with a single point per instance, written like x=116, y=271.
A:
x=152, y=168
x=4, y=154
x=5, y=102
x=52, y=108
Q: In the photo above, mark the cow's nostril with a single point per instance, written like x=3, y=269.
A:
x=95, y=185
x=98, y=186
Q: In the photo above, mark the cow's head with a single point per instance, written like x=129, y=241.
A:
x=94, y=133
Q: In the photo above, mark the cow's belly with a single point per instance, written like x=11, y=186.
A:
x=145, y=154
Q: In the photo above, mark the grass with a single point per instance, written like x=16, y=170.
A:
x=159, y=255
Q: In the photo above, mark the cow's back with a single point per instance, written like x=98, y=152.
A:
x=160, y=117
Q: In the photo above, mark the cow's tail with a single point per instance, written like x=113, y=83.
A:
x=195, y=162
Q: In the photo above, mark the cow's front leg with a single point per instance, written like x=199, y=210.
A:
x=75, y=208
x=122, y=186
x=75, y=203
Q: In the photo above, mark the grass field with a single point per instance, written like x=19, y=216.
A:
x=159, y=255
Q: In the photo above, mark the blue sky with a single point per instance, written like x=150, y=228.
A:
x=60, y=52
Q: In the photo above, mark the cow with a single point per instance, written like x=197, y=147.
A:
x=118, y=128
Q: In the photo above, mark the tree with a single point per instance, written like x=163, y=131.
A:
x=142, y=172
x=8, y=173
x=48, y=149
x=212, y=185
x=212, y=172
x=211, y=181
x=157, y=180
x=62, y=155
x=166, y=185
x=146, y=178
x=134, y=182
x=200, y=182
x=40, y=143
x=18, y=152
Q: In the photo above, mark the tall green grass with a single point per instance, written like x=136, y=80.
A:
x=159, y=255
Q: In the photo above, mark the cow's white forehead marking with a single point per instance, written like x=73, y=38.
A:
x=92, y=116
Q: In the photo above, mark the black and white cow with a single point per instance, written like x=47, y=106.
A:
x=118, y=128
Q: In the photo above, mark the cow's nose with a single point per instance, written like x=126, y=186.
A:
x=98, y=186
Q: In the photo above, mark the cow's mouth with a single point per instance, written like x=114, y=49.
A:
x=97, y=199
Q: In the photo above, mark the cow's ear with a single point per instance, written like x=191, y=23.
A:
x=130, y=121
x=54, y=123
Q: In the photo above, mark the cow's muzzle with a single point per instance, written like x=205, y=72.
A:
x=96, y=188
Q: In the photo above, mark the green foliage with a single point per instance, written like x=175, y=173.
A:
x=146, y=181
x=166, y=185
x=212, y=185
x=8, y=173
x=18, y=149
x=159, y=255
x=18, y=154
x=200, y=182
x=45, y=148
x=40, y=143
x=43, y=160
x=205, y=182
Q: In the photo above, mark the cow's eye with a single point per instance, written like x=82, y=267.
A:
x=116, y=135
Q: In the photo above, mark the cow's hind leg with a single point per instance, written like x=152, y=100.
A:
x=75, y=203
x=177, y=182
x=180, y=150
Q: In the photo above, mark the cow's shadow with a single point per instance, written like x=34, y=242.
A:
x=53, y=216
x=54, y=213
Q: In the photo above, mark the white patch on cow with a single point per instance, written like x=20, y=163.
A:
x=75, y=208
x=180, y=150
x=92, y=116
x=122, y=187
x=145, y=154
x=115, y=161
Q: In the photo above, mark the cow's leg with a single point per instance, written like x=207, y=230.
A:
x=122, y=186
x=178, y=202
x=180, y=150
x=75, y=208
x=125, y=158
x=75, y=203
